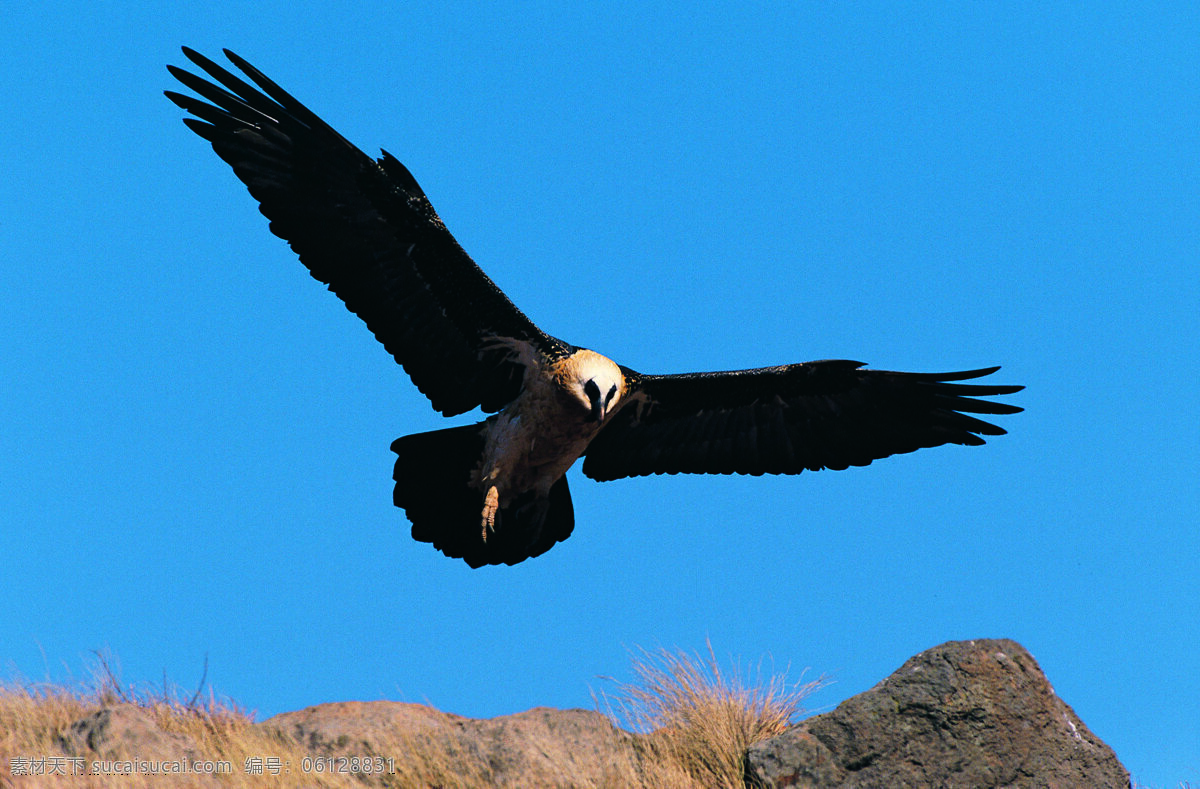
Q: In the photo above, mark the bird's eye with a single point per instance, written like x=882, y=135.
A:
x=592, y=391
x=611, y=393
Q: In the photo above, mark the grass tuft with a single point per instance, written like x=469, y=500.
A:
x=703, y=719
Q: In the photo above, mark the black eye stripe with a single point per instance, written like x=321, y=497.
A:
x=608, y=398
x=591, y=390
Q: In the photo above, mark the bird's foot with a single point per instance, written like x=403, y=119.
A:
x=491, y=507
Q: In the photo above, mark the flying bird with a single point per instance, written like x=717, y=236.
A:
x=496, y=492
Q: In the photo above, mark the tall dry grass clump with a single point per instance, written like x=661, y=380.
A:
x=701, y=719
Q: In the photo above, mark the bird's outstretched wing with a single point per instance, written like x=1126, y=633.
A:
x=783, y=420
x=365, y=228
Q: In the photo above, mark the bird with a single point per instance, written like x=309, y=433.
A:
x=495, y=492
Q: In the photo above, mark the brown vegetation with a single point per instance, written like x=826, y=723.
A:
x=700, y=720
x=682, y=723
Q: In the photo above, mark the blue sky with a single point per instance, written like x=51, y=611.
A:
x=194, y=451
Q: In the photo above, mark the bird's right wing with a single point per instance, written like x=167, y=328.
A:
x=366, y=229
x=783, y=420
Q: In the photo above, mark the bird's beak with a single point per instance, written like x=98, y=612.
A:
x=597, y=410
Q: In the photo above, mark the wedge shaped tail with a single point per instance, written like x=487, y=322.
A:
x=433, y=486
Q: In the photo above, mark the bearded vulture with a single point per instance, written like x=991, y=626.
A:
x=496, y=492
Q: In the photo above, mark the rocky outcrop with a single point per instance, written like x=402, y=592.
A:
x=122, y=731
x=972, y=714
x=965, y=714
x=539, y=747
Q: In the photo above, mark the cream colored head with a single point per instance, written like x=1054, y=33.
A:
x=595, y=381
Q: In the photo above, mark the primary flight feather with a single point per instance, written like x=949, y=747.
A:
x=496, y=492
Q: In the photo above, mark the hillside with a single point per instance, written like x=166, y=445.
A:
x=968, y=713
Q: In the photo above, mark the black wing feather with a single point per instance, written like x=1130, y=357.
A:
x=366, y=229
x=783, y=420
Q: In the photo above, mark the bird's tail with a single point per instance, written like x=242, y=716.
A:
x=433, y=487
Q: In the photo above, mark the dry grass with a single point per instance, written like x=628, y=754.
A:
x=36, y=719
x=692, y=723
x=701, y=719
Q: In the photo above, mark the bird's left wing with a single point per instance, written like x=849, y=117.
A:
x=366, y=229
x=783, y=420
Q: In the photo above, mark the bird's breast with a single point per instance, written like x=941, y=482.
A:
x=532, y=442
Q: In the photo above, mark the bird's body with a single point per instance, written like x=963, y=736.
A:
x=514, y=463
x=496, y=492
x=530, y=444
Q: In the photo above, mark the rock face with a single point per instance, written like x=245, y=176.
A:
x=539, y=747
x=971, y=714
x=121, y=731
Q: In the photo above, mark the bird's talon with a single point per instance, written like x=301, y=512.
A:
x=491, y=506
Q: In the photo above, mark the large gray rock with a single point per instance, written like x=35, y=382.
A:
x=971, y=714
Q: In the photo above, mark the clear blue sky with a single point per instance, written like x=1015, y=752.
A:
x=194, y=449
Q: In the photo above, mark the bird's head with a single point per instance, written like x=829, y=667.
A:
x=596, y=382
